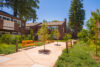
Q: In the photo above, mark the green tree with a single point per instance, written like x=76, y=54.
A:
x=57, y=34
x=43, y=33
x=93, y=28
x=83, y=35
x=51, y=35
x=55, y=20
x=24, y=9
x=76, y=16
x=66, y=38
x=30, y=36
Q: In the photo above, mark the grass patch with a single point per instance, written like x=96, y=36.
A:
x=78, y=56
x=11, y=48
x=39, y=43
x=8, y=48
x=60, y=40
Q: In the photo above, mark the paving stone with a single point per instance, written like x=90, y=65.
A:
x=38, y=65
x=4, y=59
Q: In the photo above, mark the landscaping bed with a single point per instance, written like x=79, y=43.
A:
x=78, y=56
x=8, y=48
x=11, y=48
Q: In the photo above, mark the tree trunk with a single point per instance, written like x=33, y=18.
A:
x=15, y=8
x=57, y=41
x=16, y=45
x=15, y=12
x=96, y=50
x=44, y=46
x=96, y=37
x=67, y=47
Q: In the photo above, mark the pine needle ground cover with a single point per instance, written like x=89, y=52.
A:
x=78, y=56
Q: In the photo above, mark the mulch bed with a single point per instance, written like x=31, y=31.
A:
x=42, y=51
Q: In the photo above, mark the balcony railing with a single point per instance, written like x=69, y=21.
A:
x=8, y=25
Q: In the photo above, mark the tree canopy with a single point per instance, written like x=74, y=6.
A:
x=91, y=23
x=76, y=16
x=24, y=9
x=67, y=36
x=43, y=32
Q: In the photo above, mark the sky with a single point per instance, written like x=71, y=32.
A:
x=59, y=9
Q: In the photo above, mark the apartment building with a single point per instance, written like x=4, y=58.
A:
x=14, y=25
x=11, y=24
x=60, y=25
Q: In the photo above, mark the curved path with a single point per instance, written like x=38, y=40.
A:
x=32, y=58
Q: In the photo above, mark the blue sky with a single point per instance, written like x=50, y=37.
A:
x=59, y=9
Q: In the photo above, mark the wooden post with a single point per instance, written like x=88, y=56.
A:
x=67, y=47
x=16, y=45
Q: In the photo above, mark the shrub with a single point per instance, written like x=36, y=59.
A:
x=7, y=49
x=10, y=39
x=83, y=35
x=67, y=36
x=51, y=35
x=6, y=38
x=16, y=37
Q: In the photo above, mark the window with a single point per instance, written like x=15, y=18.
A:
x=28, y=28
x=1, y=16
x=15, y=20
x=23, y=24
x=54, y=27
x=4, y=17
x=19, y=22
x=7, y=18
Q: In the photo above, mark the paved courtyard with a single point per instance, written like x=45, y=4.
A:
x=32, y=58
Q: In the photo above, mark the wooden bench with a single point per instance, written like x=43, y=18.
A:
x=26, y=43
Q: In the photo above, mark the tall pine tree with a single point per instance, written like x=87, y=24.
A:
x=76, y=16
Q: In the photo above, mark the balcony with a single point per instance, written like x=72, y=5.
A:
x=8, y=25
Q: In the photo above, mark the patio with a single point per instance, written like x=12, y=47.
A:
x=32, y=58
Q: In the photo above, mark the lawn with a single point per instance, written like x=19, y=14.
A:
x=60, y=40
x=78, y=56
x=11, y=48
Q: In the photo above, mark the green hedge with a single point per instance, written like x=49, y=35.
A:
x=11, y=39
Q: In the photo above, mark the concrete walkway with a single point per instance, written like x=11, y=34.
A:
x=32, y=58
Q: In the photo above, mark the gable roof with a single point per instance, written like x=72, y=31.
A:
x=55, y=23
x=32, y=24
x=49, y=23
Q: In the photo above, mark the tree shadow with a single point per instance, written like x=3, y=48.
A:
x=57, y=44
x=27, y=48
x=42, y=51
